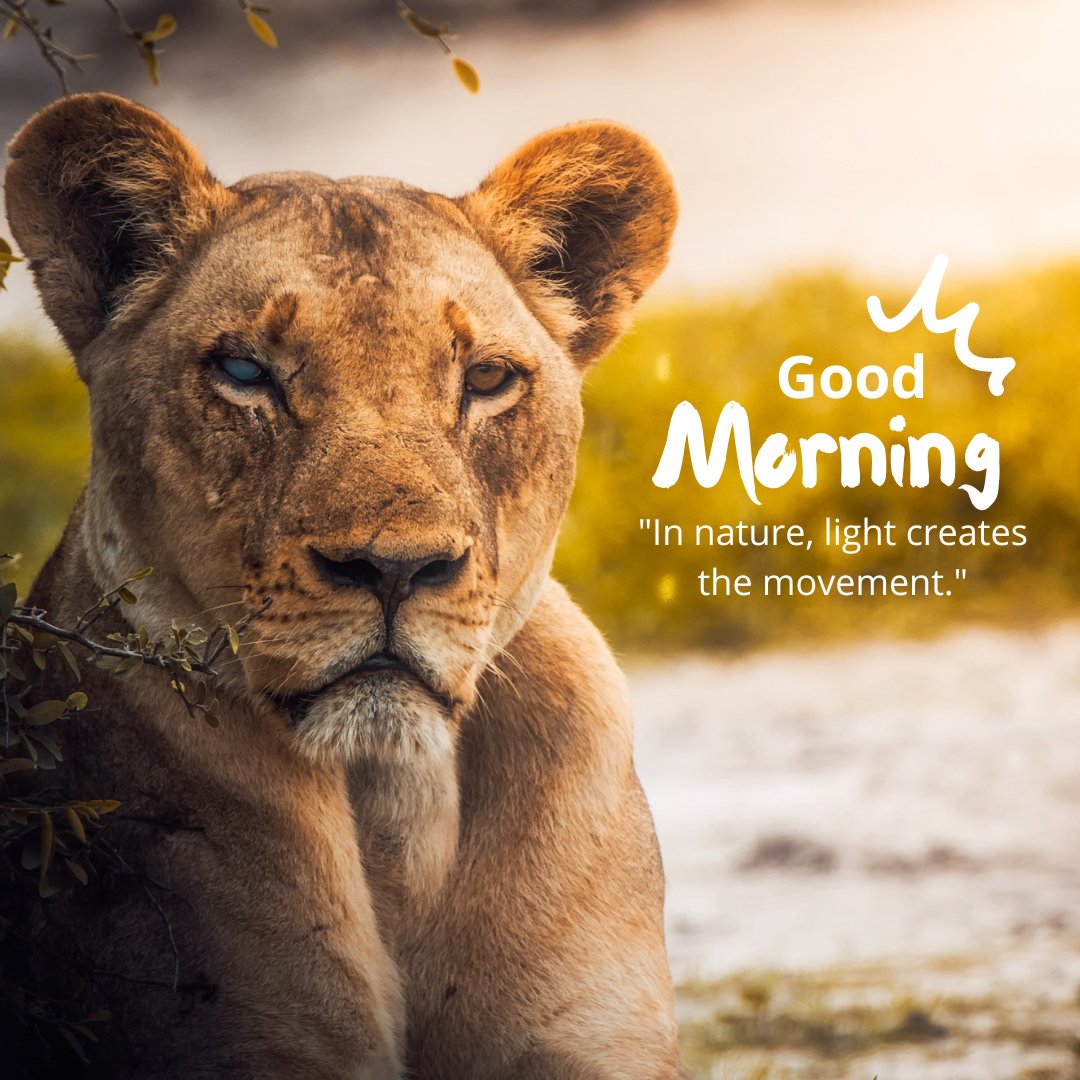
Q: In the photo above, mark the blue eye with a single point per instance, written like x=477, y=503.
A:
x=246, y=372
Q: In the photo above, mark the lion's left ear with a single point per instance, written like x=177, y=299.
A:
x=101, y=195
x=581, y=219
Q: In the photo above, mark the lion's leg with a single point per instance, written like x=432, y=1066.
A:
x=544, y=956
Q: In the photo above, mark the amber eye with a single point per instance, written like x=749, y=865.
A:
x=489, y=377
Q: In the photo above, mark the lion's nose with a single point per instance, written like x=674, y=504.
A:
x=390, y=580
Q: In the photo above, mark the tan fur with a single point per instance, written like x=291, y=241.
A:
x=448, y=870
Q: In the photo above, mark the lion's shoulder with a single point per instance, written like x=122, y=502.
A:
x=557, y=690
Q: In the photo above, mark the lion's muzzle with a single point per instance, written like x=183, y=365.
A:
x=390, y=580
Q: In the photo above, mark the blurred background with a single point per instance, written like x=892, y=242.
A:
x=869, y=809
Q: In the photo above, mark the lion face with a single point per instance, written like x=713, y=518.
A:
x=357, y=416
x=356, y=398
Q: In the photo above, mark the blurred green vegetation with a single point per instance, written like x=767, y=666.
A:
x=710, y=353
x=44, y=449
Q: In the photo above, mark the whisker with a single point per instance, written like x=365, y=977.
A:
x=505, y=653
x=494, y=667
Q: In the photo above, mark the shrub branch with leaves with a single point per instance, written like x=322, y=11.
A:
x=29, y=18
x=54, y=841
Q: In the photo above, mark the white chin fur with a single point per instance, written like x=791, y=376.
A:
x=397, y=741
x=375, y=718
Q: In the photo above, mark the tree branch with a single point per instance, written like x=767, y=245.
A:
x=35, y=622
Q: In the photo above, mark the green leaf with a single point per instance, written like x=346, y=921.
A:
x=146, y=51
x=78, y=871
x=7, y=257
x=75, y=824
x=467, y=75
x=45, y=757
x=16, y=764
x=126, y=668
x=47, y=888
x=126, y=595
x=261, y=29
x=424, y=26
x=69, y=659
x=30, y=857
x=234, y=640
x=48, y=744
x=145, y=572
x=76, y=702
x=166, y=25
x=45, y=712
x=69, y=1037
x=48, y=842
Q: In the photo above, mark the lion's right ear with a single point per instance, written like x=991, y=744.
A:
x=101, y=195
x=581, y=218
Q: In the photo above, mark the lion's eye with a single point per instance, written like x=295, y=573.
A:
x=489, y=377
x=242, y=371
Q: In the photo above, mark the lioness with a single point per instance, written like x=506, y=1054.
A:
x=416, y=844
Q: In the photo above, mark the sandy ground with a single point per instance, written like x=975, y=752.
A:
x=888, y=821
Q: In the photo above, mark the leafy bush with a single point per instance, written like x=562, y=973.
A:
x=54, y=838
